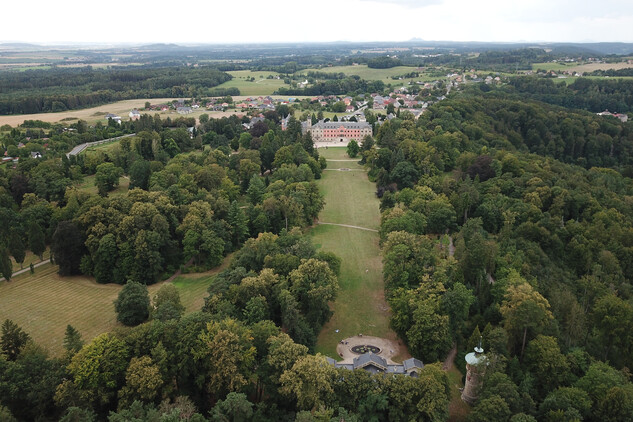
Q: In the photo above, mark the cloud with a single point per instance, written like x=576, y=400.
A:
x=411, y=4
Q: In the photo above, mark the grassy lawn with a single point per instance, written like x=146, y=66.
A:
x=360, y=306
x=349, y=196
x=260, y=86
x=44, y=303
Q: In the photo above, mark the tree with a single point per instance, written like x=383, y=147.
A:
x=97, y=371
x=456, y=304
x=256, y=189
x=404, y=174
x=235, y=407
x=142, y=380
x=16, y=247
x=6, y=267
x=523, y=308
x=309, y=381
x=37, y=243
x=167, y=303
x=106, y=260
x=132, y=304
x=546, y=362
x=229, y=355
x=314, y=285
x=13, y=339
x=107, y=177
x=72, y=340
x=67, y=247
x=239, y=224
x=139, y=174
x=352, y=149
x=493, y=408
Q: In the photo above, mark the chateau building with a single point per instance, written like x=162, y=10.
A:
x=336, y=131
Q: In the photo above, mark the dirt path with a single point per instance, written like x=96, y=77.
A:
x=450, y=359
x=350, y=226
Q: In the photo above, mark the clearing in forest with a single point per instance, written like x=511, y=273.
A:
x=360, y=307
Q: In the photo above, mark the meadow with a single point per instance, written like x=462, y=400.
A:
x=260, y=86
x=44, y=303
x=374, y=74
x=360, y=306
x=580, y=67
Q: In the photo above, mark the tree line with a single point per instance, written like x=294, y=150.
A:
x=37, y=91
x=482, y=238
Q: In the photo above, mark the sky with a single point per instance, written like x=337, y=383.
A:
x=256, y=21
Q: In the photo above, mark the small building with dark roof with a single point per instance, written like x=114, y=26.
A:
x=375, y=364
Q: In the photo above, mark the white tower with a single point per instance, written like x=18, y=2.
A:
x=475, y=369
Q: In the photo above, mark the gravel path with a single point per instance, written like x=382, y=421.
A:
x=348, y=225
x=387, y=347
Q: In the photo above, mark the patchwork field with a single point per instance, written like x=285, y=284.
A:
x=374, y=74
x=581, y=67
x=44, y=303
x=360, y=307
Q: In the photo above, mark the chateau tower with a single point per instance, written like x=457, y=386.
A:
x=475, y=370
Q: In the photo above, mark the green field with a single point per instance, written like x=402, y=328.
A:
x=360, y=306
x=44, y=303
x=261, y=85
x=374, y=74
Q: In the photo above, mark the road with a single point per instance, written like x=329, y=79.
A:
x=81, y=147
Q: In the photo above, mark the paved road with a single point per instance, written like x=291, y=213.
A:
x=22, y=271
x=348, y=225
x=81, y=147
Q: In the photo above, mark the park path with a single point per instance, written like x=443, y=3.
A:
x=22, y=271
x=348, y=225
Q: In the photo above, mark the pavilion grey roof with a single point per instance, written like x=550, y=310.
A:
x=412, y=363
x=375, y=363
x=369, y=358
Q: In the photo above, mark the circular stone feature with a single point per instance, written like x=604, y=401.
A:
x=366, y=348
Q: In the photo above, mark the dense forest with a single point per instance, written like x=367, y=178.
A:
x=59, y=89
x=594, y=95
x=481, y=237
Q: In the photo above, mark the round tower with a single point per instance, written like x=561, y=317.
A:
x=475, y=369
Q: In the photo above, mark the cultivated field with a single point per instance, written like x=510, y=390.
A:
x=374, y=74
x=580, y=67
x=360, y=306
x=44, y=303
